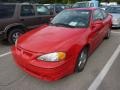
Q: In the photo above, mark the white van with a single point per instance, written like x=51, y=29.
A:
x=86, y=4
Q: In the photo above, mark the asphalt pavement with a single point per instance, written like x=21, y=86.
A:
x=13, y=78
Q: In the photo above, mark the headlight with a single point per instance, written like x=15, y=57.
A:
x=56, y=56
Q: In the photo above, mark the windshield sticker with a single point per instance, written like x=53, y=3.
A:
x=84, y=12
x=73, y=23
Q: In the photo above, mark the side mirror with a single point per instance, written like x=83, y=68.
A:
x=97, y=24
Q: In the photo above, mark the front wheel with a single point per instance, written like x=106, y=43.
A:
x=82, y=59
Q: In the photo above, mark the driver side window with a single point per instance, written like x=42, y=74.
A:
x=97, y=15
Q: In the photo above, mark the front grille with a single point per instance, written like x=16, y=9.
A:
x=24, y=53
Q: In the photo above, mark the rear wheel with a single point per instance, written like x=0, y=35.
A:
x=14, y=35
x=82, y=59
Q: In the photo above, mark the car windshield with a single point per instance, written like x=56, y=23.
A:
x=113, y=9
x=72, y=18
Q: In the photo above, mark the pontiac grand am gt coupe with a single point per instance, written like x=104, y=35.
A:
x=53, y=51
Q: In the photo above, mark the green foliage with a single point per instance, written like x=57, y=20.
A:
x=54, y=1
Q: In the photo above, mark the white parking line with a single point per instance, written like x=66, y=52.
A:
x=96, y=83
x=2, y=55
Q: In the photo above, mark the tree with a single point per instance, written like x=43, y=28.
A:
x=55, y=1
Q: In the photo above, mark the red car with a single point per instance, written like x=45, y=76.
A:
x=53, y=51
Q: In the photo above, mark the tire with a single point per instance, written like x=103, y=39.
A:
x=14, y=34
x=82, y=60
x=108, y=34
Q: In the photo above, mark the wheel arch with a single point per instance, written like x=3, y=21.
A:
x=87, y=45
x=12, y=27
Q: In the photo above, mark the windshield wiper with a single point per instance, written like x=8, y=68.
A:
x=62, y=24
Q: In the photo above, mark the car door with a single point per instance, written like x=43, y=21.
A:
x=27, y=16
x=106, y=22
x=97, y=28
x=43, y=14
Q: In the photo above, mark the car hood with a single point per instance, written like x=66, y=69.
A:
x=48, y=39
x=115, y=15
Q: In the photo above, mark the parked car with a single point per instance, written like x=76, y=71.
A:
x=55, y=8
x=68, y=6
x=86, y=4
x=18, y=18
x=115, y=12
x=63, y=47
x=103, y=7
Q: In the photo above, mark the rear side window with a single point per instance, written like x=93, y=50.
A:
x=42, y=10
x=7, y=11
x=27, y=10
x=97, y=15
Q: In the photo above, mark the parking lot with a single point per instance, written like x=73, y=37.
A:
x=13, y=78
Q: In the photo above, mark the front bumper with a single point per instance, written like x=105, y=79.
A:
x=48, y=71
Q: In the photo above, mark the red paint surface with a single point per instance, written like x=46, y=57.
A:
x=47, y=39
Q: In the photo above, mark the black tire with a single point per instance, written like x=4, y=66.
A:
x=108, y=34
x=14, y=34
x=82, y=60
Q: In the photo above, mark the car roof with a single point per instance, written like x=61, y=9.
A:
x=82, y=2
x=19, y=3
x=90, y=8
